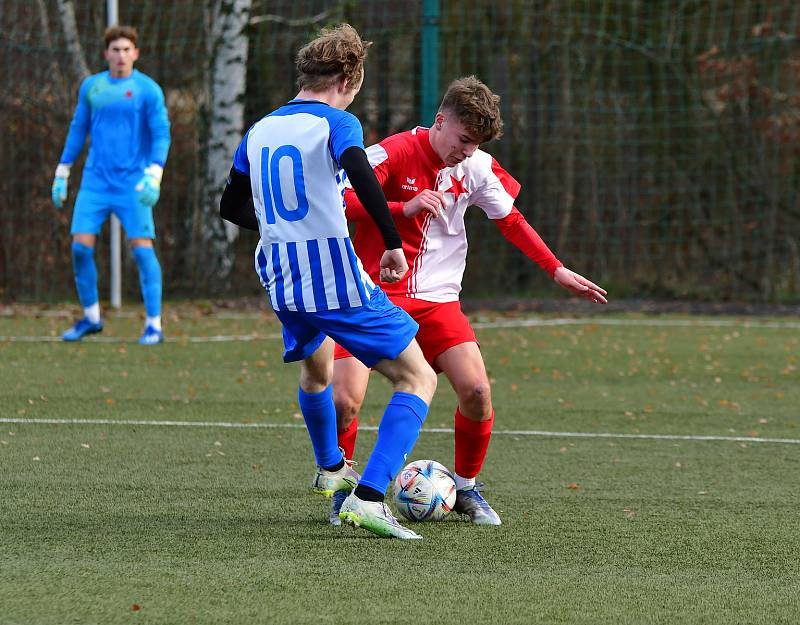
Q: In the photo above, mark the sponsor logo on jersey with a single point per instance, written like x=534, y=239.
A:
x=409, y=186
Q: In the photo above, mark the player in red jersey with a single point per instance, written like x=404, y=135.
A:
x=430, y=177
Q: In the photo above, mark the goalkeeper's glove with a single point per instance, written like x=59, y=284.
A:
x=58, y=191
x=149, y=187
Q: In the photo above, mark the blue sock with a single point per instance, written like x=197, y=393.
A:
x=85, y=273
x=149, y=278
x=397, y=433
x=320, y=416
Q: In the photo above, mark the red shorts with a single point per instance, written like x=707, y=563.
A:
x=441, y=326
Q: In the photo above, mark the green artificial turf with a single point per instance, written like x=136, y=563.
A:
x=147, y=523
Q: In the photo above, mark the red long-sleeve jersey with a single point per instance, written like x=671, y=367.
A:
x=436, y=248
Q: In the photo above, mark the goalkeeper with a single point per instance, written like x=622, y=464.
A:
x=123, y=111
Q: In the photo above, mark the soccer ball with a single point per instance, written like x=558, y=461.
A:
x=424, y=491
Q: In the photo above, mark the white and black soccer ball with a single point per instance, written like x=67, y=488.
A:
x=424, y=491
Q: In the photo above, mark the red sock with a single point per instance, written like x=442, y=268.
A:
x=472, y=442
x=347, y=439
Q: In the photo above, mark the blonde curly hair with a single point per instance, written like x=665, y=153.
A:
x=335, y=54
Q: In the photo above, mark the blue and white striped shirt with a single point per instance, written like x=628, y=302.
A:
x=305, y=258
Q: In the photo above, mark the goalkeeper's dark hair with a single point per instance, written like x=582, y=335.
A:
x=335, y=54
x=120, y=32
x=475, y=106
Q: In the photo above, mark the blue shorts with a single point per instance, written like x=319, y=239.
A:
x=92, y=209
x=371, y=333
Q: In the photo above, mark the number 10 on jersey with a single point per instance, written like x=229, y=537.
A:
x=272, y=187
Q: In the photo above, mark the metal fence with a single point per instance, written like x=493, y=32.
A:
x=656, y=142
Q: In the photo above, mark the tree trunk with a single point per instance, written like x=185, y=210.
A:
x=227, y=72
x=73, y=43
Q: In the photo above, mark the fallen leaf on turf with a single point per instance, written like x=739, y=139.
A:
x=136, y=607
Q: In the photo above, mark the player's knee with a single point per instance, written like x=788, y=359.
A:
x=315, y=379
x=477, y=395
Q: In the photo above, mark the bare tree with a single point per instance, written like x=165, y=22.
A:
x=73, y=43
x=226, y=23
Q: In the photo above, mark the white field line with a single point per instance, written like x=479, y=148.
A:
x=219, y=338
x=681, y=323
x=479, y=325
x=372, y=428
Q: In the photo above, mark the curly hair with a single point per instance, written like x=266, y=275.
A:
x=475, y=106
x=335, y=54
x=120, y=32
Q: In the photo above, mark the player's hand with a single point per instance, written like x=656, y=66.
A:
x=149, y=187
x=429, y=200
x=58, y=192
x=393, y=265
x=580, y=286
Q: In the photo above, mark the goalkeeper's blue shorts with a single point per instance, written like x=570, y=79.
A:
x=93, y=208
x=380, y=330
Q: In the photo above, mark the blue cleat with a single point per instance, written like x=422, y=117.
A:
x=470, y=502
x=151, y=336
x=81, y=329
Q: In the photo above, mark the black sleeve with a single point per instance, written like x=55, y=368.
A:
x=368, y=189
x=236, y=203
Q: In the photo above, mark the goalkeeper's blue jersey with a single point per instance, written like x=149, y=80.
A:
x=127, y=122
x=305, y=258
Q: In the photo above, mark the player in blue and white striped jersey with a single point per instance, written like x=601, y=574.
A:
x=305, y=258
x=292, y=165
